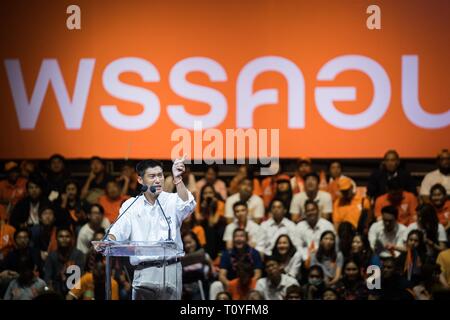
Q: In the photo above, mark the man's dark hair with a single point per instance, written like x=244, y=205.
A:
x=245, y=267
x=57, y=156
x=318, y=268
x=240, y=203
x=64, y=228
x=312, y=174
x=310, y=201
x=390, y=210
x=294, y=289
x=16, y=233
x=276, y=200
x=97, y=158
x=271, y=258
x=143, y=165
x=99, y=206
x=240, y=230
x=439, y=187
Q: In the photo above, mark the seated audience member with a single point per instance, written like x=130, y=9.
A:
x=56, y=175
x=27, y=286
x=428, y=284
x=91, y=255
x=311, y=192
x=57, y=261
x=95, y=184
x=209, y=214
x=224, y=295
x=244, y=171
x=245, y=281
x=352, y=285
x=240, y=251
x=405, y=202
x=315, y=286
x=13, y=188
x=293, y=292
x=212, y=177
x=127, y=180
x=348, y=206
x=91, y=285
x=43, y=235
x=362, y=253
x=434, y=233
x=188, y=180
x=443, y=260
x=255, y=295
x=410, y=262
x=438, y=199
x=289, y=257
x=330, y=293
x=283, y=192
x=197, y=269
x=26, y=212
x=335, y=175
x=345, y=234
x=277, y=225
x=245, y=194
x=389, y=169
x=274, y=286
x=269, y=185
x=392, y=285
x=328, y=257
x=304, y=167
x=112, y=200
x=96, y=221
x=439, y=176
x=243, y=222
x=70, y=203
x=22, y=249
x=386, y=236
x=309, y=230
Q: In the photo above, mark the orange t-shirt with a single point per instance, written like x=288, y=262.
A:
x=200, y=233
x=6, y=238
x=406, y=209
x=86, y=288
x=350, y=212
x=13, y=193
x=235, y=290
x=111, y=206
x=444, y=214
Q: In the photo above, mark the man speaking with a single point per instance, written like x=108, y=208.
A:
x=155, y=216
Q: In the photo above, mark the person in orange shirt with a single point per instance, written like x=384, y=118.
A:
x=348, y=206
x=304, y=167
x=335, y=171
x=112, y=200
x=245, y=282
x=6, y=235
x=405, y=202
x=278, y=187
x=92, y=284
x=438, y=198
x=244, y=171
x=13, y=188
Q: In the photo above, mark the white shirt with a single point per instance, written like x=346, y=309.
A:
x=86, y=234
x=442, y=235
x=255, y=206
x=378, y=234
x=323, y=199
x=293, y=267
x=146, y=222
x=431, y=178
x=253, y=230
x=270, y=231
x=306, y=235
x=275, y=293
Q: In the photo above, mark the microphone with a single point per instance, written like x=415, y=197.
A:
x=143, y=189
x=169, y=238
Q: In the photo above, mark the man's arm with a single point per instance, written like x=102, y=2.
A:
x=177, y=171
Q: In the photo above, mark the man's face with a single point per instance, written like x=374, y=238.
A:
x=56, y=165
x=95, y=216
x=278, y=211
x=22, y=240
x=335, y=170
x=304, y=168
x=283, y=186
x=246, y=187
x=239, y=239
x=240, y=212
x=444, y=162
x=64, y=239
x=112, y=190
x=312, y=214
x=388, y=269
x=34, y=191
x=272, y=269
x=210, y=176
x=311, y=184
x=71, y=191
x=391, y=162
x=388, y=221
x=47, y=217
x=97, y=166
x=437, y=198
x=153, y=177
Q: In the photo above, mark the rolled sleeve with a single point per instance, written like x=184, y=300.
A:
x=185, y=208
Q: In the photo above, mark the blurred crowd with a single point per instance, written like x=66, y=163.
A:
x=311, y=235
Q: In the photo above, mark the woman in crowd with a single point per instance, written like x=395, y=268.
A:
x=287, y=254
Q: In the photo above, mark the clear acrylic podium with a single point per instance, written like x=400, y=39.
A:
x=151, y=250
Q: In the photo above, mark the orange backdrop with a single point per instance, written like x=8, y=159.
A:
x=232, y=33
